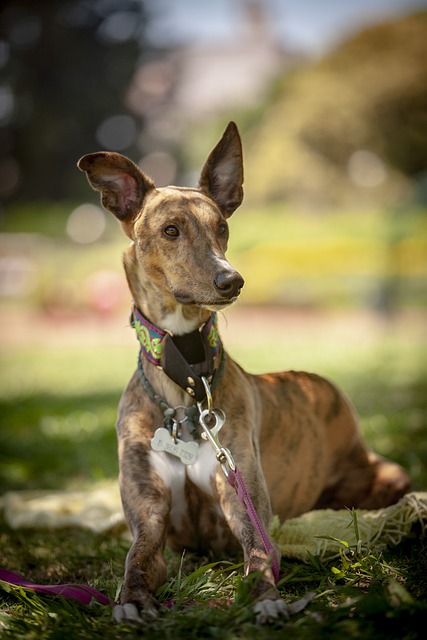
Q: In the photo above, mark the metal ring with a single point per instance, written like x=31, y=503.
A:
x=175, y=431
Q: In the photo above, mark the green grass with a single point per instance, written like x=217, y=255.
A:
x=359, y=595
x=58, y=410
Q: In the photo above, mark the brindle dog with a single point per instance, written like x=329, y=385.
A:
x=294, y=436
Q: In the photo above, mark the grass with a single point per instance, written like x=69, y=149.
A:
x=361, y=594
x=58, y=409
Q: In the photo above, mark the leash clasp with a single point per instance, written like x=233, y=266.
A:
x=223, y=455
x=207, y=416
x=208, y=395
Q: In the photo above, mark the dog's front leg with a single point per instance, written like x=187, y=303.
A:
x=146, y=504
x=268, y=604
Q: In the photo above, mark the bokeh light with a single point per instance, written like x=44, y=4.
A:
x=117, y=132
x=161, y=167
x=86, y=224
x=366, y=169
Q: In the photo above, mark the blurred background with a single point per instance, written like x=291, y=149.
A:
x=331, y=101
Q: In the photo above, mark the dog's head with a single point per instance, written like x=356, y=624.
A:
x=179, y=234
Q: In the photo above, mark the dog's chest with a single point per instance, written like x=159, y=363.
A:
x=181, y=479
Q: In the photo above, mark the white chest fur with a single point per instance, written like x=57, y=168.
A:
x=174, y=474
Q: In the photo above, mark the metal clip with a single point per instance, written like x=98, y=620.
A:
x=215, y=422
x=208, y=395
x=222, y=454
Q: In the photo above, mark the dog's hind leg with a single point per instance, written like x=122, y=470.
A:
x=390, y=482
x=369, y=482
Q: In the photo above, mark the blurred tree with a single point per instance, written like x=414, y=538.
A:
x=351, y=128
x=387, y=67
x=64, y=66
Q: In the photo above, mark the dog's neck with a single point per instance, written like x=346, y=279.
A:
x=188, y=360
x=178, y=322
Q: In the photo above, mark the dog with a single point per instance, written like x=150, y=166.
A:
x=293, y=435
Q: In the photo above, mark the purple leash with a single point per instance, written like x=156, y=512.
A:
x=233, y=475
x=236, y=481
x=81, y=592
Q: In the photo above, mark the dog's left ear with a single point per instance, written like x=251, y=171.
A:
x=222, y=176
x=122, y=184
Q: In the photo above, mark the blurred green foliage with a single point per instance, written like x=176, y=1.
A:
x=352, y=258
x=369, y=94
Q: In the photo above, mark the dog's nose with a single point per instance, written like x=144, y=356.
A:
x=229, y=283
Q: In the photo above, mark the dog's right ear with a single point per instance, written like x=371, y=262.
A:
x=222, y=175
x=122, y=184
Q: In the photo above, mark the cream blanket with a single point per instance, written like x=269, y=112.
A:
x=311, y=533
x=316, y=532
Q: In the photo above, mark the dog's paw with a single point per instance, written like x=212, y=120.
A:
x=268, y=611
x=125, y=613
x=299, y=605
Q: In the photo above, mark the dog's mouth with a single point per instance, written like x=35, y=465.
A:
x=210, y=305
x=219, y=307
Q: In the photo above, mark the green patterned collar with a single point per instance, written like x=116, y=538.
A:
x=185, y=359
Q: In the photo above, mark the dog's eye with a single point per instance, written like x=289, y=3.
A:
x=223, y=229
x=171, y=231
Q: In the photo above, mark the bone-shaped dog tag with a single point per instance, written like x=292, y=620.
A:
x=185, y=451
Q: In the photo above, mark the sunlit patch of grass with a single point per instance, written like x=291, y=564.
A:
x=59, y=410
x=26, y=372
x=342, y=258
x=208, y=583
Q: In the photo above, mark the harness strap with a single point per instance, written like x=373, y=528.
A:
x=184, y=374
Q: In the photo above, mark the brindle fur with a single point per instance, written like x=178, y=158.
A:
x=295, y=438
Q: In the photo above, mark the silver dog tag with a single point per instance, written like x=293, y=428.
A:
x=185, y=451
